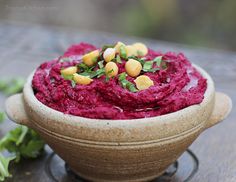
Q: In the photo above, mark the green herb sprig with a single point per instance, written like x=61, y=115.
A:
x=21, y=141
x=4, y=167
x=158, y=61
x=123, y=53
x=11, y=86
x=126, y=84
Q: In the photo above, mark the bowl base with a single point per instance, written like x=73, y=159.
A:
x=57, y=170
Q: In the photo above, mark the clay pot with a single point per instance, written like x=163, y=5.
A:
x=119, y=150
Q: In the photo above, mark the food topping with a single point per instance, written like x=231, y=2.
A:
x=111, y=69
x=118, y=45
x=131, y=50
x=142, y=49
x=118, y=82
x=109, y=54
x=133, y=67
x=80, y=79
x=69, y=71
x=143, y=82
x=90, y=59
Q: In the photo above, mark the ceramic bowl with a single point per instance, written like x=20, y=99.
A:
x=119, y=150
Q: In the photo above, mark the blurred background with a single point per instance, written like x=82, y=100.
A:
x=208, y=23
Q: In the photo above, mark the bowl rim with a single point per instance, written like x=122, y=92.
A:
x=75, y=120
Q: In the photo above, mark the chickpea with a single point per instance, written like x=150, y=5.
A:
x=82, y=80
x=111, y=69
x=141, y=48
x=131, y=50
x=117, y=46
x=143, y=82
x=69, y=71
x=91, y=58
x=133, y=67
x=109, y=54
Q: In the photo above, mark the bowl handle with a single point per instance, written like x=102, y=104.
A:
x=223, y=106
x=15, y=109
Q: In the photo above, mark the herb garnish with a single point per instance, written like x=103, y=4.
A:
x=83, y=67
x=123, y=53
x=147, y=66
x=161, y=65
x=141, y=60
x=100, y=64
x=88, y=71
x=160, y=62
x=11, y=86
x=21, y=141
x=4, y=164
x=126, y=84
x=118, y=59
x=67, y=77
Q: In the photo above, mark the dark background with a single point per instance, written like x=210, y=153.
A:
x=208, y=23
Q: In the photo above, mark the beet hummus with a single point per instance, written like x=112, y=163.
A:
x=140, y=83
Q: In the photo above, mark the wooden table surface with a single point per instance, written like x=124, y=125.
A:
x=24, y=47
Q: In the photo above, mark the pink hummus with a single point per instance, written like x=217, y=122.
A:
x=175, y=88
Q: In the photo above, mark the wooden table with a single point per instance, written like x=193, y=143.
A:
x=23, y=47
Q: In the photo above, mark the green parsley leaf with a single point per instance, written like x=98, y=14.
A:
x=12, y=86
x=100, y=72
x=88, y=71
x=22, y=142
x=32, y=149
x=70, y=77
x=122, y=76
x=147, y=66
x=161, y=63
x=67, y=77
x=4, y=164
x=24, y=131
x=158, y=60
x=123, y=53
x=141, y=60
x=86, y=74
x=153, y=70
x=92, y=74
x=100, y=64
x=125, y=83
x=110, y=71
x=131, y=87
x=107, y=77
x=118, y=59
x=83, y=67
